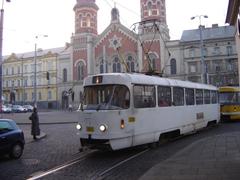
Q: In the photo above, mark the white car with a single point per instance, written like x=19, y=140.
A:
x=6, y=109
x=18, y=109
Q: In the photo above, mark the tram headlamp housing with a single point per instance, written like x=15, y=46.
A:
x=103, y=127
x=79, y=127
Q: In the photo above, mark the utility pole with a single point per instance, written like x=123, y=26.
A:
x=1, y=57
x=204, y=76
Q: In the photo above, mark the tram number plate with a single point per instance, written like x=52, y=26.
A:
x=200, y=115
x=90, y=129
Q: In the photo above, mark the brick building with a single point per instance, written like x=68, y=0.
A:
x=117, y=48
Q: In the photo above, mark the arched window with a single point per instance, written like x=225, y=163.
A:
x=173, y=65
x=80, y=20
x=102, y=63
x=80, y=71
x=130, y=64
x=116, y=64
x=64, y=75
x=149, y=8
x=88, y=20
x=153, y=58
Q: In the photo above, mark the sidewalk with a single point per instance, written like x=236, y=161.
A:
x=213, y=158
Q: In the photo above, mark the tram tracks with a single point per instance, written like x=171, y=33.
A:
x=101, y=174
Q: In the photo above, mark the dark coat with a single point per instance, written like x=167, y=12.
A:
x=35, y=123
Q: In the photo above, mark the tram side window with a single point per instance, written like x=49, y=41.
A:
x=144, y=96
x=178, y=96
x=199, y=96
x=206, y=97
x=164, y=96
x=189, y=95
x=214, y=97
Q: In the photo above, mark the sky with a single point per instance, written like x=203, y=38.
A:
x=26, y=19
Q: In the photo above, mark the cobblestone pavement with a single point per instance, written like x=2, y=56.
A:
x=213, y=158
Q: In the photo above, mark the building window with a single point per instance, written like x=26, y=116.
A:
x=229, y=50
x=216, y=50
x=64, y=75
x=116, y=65
x=18, y=69
x=149, y=8
x=173, y=66
x=88, y=20
x=80, y=71
x=191, y=53
x=152, y=58
x=102, y=63
x=49, y=94
x=192, y=68
x=80, y=20
x=130, y=64
x=205, y=52
x=12, y=70
x=50, y=66
x=40, y=96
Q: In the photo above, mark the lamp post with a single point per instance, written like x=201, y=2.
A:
x=1, y=58
x=204, y=76
x=35, y=69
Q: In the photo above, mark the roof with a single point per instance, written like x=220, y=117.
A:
x=208, y=33
x=135, y=78
x=39, y=53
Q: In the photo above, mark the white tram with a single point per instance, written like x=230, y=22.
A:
x=122, y=110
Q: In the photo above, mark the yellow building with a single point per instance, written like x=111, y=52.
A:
x=18, y=78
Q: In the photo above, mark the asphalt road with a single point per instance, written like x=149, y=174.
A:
x=57, y=155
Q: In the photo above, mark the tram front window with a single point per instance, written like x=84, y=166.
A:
x=229, y=98
x=106, y=97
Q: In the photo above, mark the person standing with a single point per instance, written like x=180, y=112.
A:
x=35, y=130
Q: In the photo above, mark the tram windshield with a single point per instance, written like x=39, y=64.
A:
x=106, y=97
x=229, y=97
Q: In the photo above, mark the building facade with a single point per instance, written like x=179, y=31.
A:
x=233, y=18
x=146, y=48
x=18, y=78
x=117, y=48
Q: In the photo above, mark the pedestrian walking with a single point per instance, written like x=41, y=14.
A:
x=35, y=130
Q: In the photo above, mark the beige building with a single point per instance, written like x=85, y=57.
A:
x=233, y=18
x=18, y=78
x=219, y=52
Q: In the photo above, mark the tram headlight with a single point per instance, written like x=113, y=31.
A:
x=79, y=127
x=103, y=127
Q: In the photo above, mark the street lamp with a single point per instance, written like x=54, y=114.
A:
x=35, y=69
x=204, y=76
x=1, y=58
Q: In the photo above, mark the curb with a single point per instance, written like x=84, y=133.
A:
x=45, y=123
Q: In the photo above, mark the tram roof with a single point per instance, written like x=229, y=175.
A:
x=137, y=78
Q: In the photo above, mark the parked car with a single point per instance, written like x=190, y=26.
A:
x=18, y=109
x=11, y=139
x=6, y=109
x=28, y=107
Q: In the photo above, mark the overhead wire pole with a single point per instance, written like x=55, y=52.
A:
x=204, y=76
x=1, y=57
x=35, y=70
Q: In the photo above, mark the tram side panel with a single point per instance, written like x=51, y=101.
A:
x=152, y=122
